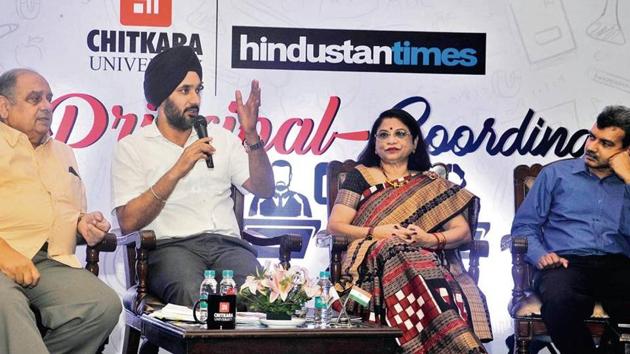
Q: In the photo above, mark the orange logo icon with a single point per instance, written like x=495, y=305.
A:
x=224, y=307
x=152, y=13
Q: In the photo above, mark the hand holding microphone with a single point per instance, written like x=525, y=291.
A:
x=201, y=127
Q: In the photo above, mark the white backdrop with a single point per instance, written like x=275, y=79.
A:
x=564, y=60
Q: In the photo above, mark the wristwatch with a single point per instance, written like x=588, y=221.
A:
x=255, y=146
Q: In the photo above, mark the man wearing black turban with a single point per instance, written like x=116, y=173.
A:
x=166, y=71
x=161, y=181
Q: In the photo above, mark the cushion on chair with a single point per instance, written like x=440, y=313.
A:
x=530, y=306
x=150, y=303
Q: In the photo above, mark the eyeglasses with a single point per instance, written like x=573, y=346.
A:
x=398, y=134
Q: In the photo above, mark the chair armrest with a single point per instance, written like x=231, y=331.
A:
x=288, y=243
x=144, y=239
x=519, y=269
x=338, y=246
x=107, y=244
x=480, y=248
x=138, y=244
x=477, y=248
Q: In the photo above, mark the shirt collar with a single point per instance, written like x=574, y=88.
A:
x=152, y=131
x=579, y=166
x=9, y=134
x=12, y=135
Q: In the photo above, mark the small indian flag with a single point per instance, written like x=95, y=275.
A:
x=334, y=300
x=359, y=295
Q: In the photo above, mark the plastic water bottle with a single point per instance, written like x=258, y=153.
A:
x=322, y=305
x=227, y=285
x=208, y=287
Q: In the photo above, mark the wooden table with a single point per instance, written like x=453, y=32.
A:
x=183, y=338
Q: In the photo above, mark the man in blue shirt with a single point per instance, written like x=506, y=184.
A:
x=576, y=219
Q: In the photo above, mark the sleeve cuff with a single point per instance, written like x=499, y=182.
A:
x=534, y=254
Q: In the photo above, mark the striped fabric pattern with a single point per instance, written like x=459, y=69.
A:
x=412, y=288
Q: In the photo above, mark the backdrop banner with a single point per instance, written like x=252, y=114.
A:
x=493, y=84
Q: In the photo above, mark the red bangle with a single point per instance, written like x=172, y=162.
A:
x=437, y=240
x=442, y=241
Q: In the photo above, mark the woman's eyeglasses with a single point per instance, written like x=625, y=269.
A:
x=398, y=134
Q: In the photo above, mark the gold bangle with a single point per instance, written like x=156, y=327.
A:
x=163, y=201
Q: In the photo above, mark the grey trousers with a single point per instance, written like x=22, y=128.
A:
x=177, y=264
x=79, y=310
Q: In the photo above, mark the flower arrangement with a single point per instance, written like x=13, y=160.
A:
x=278, y=291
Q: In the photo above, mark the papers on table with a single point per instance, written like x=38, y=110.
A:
x=174, y=313
x=249, y=318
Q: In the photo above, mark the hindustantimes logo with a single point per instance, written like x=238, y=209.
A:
x=358, y=50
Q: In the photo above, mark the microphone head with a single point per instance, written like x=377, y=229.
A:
x=201, y=126
x=200, y=121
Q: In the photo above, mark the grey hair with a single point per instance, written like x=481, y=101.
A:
x=8, y=79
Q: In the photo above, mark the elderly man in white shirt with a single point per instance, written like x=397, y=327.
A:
x=159, y=182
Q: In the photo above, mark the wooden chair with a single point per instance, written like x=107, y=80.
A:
x=92, y=253
x=525, y=304
x=138, y=300
x=336, y=174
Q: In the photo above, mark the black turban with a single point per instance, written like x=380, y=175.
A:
x=167, y=70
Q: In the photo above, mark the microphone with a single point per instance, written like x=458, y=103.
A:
x=201, y=127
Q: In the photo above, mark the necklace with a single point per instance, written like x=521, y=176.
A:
x=397, y=182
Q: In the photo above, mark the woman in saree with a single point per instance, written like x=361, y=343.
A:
x=402, y=220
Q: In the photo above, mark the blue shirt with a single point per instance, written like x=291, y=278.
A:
x=570, y=211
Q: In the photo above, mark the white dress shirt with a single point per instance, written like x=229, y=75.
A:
x=201, y=200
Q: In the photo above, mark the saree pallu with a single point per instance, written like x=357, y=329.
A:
x=412, y=288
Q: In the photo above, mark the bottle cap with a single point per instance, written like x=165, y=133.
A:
x=324, y=275
x=208, y=273
x=227, y=273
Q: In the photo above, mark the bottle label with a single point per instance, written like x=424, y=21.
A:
x=320, y=303
x=203, y=305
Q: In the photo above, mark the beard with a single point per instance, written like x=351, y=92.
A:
x=281, y=186
x=595, y=162
x=176, y=118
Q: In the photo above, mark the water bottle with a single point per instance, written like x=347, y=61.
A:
x=208, y=287
x=322, y=305
x=227, y=285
